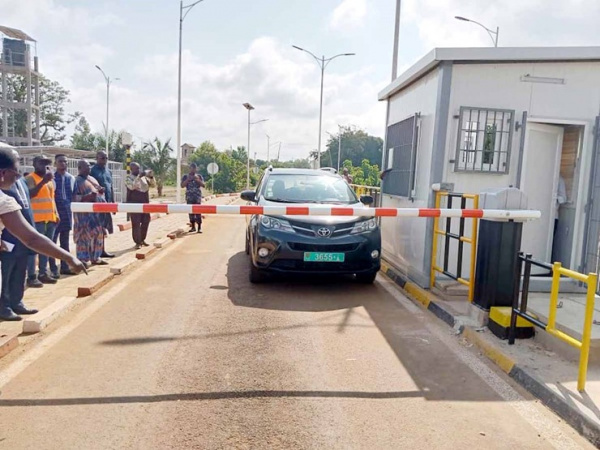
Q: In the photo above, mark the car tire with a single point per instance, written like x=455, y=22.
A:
x=256, y=275
x=366, y=278
x=247, y=245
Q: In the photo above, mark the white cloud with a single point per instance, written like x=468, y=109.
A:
x=521, y=22
x=349, y=14
x=282, y=86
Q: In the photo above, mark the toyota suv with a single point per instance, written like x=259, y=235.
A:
x=279, y=244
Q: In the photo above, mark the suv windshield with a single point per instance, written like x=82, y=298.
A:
x=308, y=188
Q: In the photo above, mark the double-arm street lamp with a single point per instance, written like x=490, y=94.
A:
x=493, y=34
x=323, y=63
x=249, y=107
x=183, y=12
x=108, y=83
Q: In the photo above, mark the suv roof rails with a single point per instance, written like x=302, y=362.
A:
x=329, y=169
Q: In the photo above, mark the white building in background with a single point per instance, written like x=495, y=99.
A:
x=480, y=118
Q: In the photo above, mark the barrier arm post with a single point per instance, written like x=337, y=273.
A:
x=592, y=282
x=436, y=222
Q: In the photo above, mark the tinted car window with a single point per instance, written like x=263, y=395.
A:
x=305, y=188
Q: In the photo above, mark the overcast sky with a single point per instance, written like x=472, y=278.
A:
x=238, y=51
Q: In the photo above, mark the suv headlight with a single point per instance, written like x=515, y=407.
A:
x=364, y=226
x=276, y=224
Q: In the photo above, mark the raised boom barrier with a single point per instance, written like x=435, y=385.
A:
x=517, y=215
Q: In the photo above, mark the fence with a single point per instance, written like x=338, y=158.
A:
x=460, y=237
x=116, y=168
x=367, y=190
x=590, y=280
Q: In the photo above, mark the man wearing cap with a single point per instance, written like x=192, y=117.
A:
x=45, y=215
x=103, y=175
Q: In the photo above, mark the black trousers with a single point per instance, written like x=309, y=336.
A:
x=139, y=227
x=14, y=272
x=63, y=236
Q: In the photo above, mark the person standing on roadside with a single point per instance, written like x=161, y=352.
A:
x=14, y=257
x=138, y=191
x=88, y=228
x=346, y=175
x=63, y=196
x=12, y=219
x=45, y=215
x=102, y=174
x=193, y=182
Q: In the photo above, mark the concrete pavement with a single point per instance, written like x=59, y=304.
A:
x=188, y=354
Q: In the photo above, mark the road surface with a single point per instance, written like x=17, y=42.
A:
x=186, y=353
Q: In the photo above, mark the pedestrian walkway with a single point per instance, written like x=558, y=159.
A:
x=121, y=244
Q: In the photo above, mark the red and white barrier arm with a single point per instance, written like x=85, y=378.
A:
x=316, y=210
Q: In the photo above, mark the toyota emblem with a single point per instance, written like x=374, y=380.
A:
x=324, y=232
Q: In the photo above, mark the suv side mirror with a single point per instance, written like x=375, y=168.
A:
x=249, y=196
x=366, y=199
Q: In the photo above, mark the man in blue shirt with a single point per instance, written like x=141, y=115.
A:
x=104, y=176
x=63, y=195
x=14, y=259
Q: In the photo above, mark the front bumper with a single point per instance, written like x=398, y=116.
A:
x=286, y=253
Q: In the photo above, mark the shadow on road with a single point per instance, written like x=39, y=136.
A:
x=275, y=293
x=201, y=396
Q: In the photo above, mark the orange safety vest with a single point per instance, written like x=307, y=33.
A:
x=43, y=204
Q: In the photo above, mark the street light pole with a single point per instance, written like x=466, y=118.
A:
x=249, y=107
x=323, y=63
x=339, y=146
x=268, y=148
x=182, y=17
x=493, y=34
x=108, y=83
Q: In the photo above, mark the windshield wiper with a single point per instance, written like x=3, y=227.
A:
x=279, y=200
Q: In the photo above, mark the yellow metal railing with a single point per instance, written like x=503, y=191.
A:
x=373, y=191
x=460, y=237
x=591, y=281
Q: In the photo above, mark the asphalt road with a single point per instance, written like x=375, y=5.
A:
x=185, y=353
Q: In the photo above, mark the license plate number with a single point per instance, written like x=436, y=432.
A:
x=324, y=257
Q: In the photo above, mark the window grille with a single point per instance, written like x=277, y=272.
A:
x=484, y=140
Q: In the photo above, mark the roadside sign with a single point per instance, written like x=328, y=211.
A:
x=212, y=168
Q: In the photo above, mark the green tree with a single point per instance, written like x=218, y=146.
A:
x=366, y=174
x=84, y=139
x=156, y=155
x=356, y=146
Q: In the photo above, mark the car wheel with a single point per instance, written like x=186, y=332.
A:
x=256, y=275
x=366, y=278
x=247, y=245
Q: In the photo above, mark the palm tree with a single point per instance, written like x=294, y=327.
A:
x=156, y=155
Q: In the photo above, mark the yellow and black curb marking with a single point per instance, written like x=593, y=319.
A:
x=419, y=294
x=573, y=416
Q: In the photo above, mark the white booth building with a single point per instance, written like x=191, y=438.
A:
x=484, y=118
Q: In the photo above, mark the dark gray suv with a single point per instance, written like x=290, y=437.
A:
x=310, y=244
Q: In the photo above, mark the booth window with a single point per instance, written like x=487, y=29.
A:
x=484, y=140
x=401, y=158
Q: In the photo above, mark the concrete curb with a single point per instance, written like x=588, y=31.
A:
x=579, y=421
x=8, y=342
x=123, y=266
x=39, y=321
x=94, y=282
x=145, y=252
x=161, y=243
x=127, y=225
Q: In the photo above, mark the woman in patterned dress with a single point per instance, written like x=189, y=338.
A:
x=88, y=229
